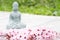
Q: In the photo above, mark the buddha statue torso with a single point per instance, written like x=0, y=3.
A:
x=15, y=17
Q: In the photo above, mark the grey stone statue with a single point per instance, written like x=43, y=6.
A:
x=15, y=18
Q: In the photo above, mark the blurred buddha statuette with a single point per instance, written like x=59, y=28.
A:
x=15, y=18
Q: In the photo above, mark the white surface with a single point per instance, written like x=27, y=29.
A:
x=32, y=21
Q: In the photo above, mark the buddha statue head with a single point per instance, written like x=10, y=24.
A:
x=15, y=6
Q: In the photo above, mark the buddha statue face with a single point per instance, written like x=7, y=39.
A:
x=15, y=6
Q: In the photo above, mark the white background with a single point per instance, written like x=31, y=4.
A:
x=31, y=21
